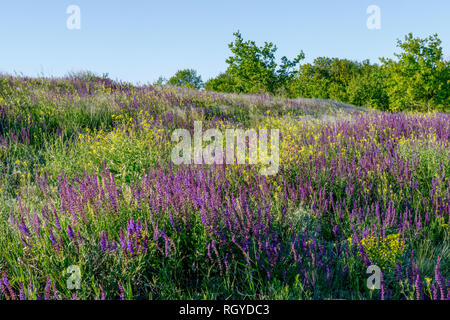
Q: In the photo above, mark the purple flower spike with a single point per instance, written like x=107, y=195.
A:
x=8, y=286
x=440, y=279
x=103, y=294
x=122, y=293
x=21, y=292
x=104, y=243
x=48, y=287
x=70, y=232
x=419, y=289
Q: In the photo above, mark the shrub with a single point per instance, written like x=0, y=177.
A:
x=419, y=80
x=187, y=78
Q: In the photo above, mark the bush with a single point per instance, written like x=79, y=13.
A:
x=187, y=78
x=222, y=83
x=326, y=78
x=369, y=89
x=420, y=79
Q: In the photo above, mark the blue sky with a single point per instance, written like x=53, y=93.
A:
x=139, y=41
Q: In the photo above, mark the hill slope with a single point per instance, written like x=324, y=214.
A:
x=88, y=180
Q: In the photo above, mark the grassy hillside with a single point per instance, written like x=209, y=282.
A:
x=87, y=180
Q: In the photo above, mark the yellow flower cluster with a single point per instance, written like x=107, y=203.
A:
x=384, y=252
x=134, y=144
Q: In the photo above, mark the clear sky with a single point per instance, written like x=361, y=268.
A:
x=140, y=40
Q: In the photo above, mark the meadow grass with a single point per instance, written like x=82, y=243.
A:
x=86, y=179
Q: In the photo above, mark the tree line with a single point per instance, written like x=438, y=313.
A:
x=418, y=78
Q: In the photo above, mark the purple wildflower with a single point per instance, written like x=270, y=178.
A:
x=48, y=287
x=439, y=279
x=8, y=286
x=103, y=294
x=419, y=289
x=122, y=293
x=22, y=291
x=70, y=232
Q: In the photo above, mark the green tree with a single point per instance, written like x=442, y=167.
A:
x=341, y=72
x=186, y=78
x=222, y=83
x=161, y=81
x=253, y=69
x=311, y=82
x=420, y=78
x=368, y=88
x=325, y=78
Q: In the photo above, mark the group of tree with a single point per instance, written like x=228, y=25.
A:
x=187, y=78
x=417, y=79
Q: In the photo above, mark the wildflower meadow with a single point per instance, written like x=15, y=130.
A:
x=92, y=205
